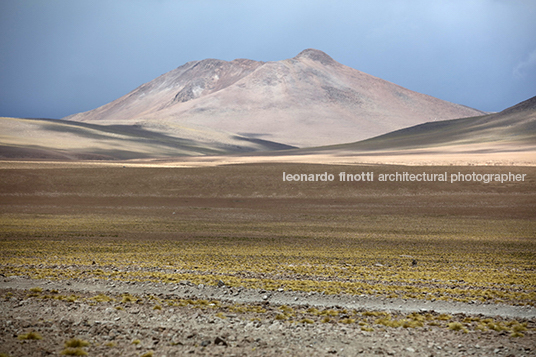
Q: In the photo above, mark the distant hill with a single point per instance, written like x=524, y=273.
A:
x=48, y=139
x=514, y=125
x=308, y=100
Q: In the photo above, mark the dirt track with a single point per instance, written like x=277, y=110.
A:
x=259, y=296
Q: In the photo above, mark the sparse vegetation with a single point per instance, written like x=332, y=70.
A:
x=475, y=273
x=457, y=326
x=127, y=298
x=32, y=335
x=76, y=342
x=102, y=298
x=71, y=351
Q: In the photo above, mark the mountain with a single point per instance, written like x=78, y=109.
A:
x=308, y=100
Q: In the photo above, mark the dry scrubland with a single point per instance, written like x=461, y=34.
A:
x=242, y=227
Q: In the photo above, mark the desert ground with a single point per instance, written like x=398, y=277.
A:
x=222, y=257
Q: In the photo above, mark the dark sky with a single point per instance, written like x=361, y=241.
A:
x=59, y=57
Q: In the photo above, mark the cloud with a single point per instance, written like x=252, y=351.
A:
x=520, y=71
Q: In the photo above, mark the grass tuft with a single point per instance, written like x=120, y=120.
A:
x=127, y=298
x=347, y=320
x=102, y=298
x=70, y=351
x=30, y=336
x=307, y=321
x=76, y=342
x=457, y=326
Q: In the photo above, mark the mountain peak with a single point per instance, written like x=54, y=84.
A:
x=316, y=55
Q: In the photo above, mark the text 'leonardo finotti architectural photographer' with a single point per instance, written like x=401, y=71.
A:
x=407, y=177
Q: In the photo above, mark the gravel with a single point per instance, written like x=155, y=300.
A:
x=115, y=329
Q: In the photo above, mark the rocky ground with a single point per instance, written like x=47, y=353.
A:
x=39, y=317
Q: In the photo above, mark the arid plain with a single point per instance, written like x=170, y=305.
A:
x=232, y=260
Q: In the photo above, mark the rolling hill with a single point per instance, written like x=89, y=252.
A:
x=515, y=125
x=64, y=140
